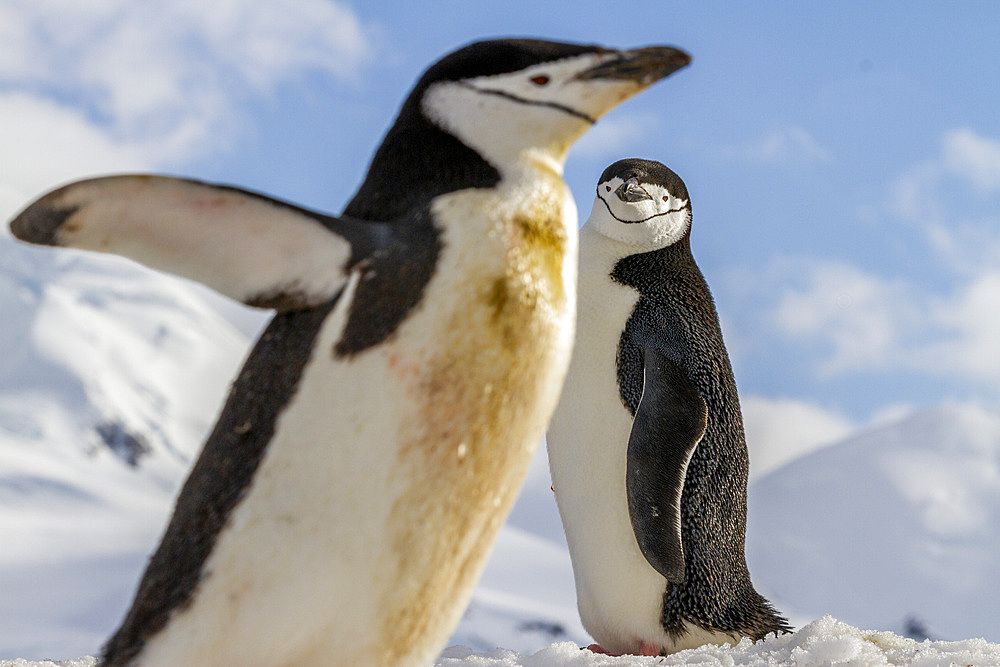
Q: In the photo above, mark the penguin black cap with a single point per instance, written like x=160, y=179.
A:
x=646, y=171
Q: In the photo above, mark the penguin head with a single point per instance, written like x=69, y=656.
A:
x=642, y=203
x=506, y=97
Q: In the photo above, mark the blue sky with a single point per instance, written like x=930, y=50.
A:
x=843, y=159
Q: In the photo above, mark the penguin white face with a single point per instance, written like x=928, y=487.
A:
x=543, y=106
x=642, y=203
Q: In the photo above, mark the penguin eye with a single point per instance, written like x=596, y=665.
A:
x=607, y=188
x=664, y=197
x=540, y=80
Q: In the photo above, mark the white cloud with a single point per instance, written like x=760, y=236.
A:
x=611, y=138
x=972, y=157
x=968, y=247
x=951, y=198
x=43, y=144
x=863, y=322
x=941, y=319
x=782, y=145
x=970, y=319
x=914, y=194
x=164, y=80
x=783, y=429
x=859, y=317
x=790, y=143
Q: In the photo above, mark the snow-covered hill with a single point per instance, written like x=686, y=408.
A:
x=897, y=526
x=110, y=376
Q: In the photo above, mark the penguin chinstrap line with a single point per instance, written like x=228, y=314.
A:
x=646, y=448
x=344, y=505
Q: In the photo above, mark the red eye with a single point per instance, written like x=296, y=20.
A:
x=540, y=80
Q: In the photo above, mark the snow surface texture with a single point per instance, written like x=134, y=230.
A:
x=822, y=642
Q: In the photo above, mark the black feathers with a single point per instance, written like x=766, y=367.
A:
x=668, y=425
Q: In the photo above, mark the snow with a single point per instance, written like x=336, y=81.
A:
x=823, y=642
x=111, y=375
x=899, y=522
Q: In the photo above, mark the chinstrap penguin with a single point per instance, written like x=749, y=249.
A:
x=646, y=448
x=344, y=505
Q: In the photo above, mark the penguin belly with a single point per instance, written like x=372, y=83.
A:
x=426, y=436
x=619, y=595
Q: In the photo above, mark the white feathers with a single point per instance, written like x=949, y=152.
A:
x=654, y=221
x=618, y=593
x=541, y=109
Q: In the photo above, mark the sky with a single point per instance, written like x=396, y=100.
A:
x=843, y=159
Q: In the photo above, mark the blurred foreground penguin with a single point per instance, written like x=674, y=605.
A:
x=346, y=501
x=646, y=448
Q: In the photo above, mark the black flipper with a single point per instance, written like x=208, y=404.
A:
x=669, y=423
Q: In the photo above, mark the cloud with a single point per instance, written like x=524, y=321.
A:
x=952, y=199
x=782, y=145
x=783, y=429
x=914, y=194
x=139, y=83
x=44, y=143
x=859, y=322
x=972, y=157
x=612, y=138
x=859, y=317
x=970, y=322
x=937, y=317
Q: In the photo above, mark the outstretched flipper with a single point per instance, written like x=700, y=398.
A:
x=668, y=425
x=257, y=250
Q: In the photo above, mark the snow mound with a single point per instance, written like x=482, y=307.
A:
x=896, y=527
x=825, y=641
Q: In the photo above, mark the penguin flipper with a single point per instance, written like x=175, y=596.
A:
x=669, y=422
x=249, y=247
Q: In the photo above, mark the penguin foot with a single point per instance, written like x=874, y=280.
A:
x=650, y=649
x=644, y=649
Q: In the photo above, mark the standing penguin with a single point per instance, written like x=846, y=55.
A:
x=346, y=501
x=646, y=448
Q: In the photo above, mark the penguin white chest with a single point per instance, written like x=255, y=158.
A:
x=618, y=593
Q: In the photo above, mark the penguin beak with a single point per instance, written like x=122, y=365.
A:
x=630, y=191
x=643, y=66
